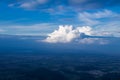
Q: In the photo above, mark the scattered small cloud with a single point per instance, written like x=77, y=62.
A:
x=11, y=5
x=28, y=4
x=1, y=30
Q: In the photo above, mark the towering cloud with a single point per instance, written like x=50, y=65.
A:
x=67, y=34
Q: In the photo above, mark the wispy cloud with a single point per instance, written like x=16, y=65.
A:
x=28, y=4
x=79, y=5
x=1, y=30
x=111, y=27
x=105, y=22
x=34, y=29
x=32, y=4
x=95, y=17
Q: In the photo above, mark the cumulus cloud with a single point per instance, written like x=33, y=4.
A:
x=67, y=34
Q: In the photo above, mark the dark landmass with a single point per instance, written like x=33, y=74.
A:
x=22, y=59
x=59, y=67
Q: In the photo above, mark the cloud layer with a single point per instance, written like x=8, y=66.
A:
x=95, y=18
x=76, y=4
x=33, y=29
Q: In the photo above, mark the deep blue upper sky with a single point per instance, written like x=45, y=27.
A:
x=43, y=16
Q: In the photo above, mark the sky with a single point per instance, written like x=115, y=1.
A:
x=76, y=17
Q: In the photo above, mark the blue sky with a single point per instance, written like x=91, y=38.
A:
x=38, y=17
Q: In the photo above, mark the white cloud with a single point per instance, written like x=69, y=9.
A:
x=1, y=30
x=94, y=18
x=28, y=5
x=110, y=28
x=11, y=5
x=33, y=29
x=31, y=4
x=105, y=22
x=93, y=40
x=99, y=14
x=67, y=34
x=75, y=4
